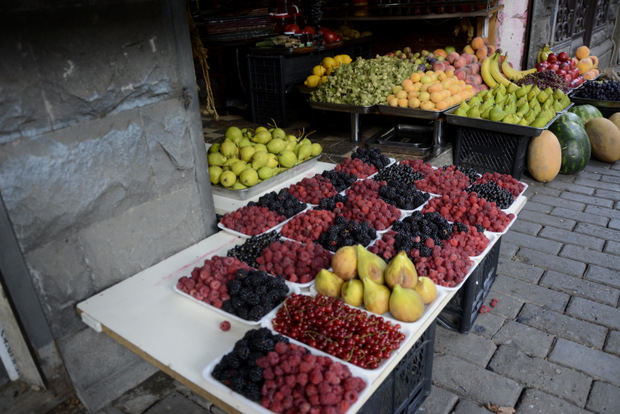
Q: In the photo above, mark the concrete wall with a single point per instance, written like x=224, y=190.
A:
x=102, y=162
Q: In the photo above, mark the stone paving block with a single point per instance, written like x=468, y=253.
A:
x=597, y=231
x=538, y=402
x=439, y=401
x=580, y=287
x=530, y=340
x=507, y=306
x=508, y=250
x=547, y=261
x=590, y=256
x=539, y=188
x=551, y=202
x=564, y=326
x=532, y=242
x=554, y=379
x=603, y=168
x=610, y=178
x=595, y=363
x=604, y=275
x=531, y=293
x=526, y=227
x=612, y=345
x=594, y=176
x=607, y=194
x=566, y=236
x=469, y=407
x=570, y=186
x=473, y=382
x=612, y=247
x=520, y=270
x=605, y=212
x=598, y=184
x=604, y=398
x=613, y=224
x=581, y=217
x=471, y=348
x=581, y=198
x=487, y=324
x=594, y=312
x=542, y=208
x=547, y=220
x=178, y=404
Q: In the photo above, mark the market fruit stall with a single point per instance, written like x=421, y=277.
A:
x=193, y=336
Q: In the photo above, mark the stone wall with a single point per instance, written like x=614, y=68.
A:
x=102, y=162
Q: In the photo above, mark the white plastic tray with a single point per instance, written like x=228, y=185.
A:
x=247, y=236
x=355, y=371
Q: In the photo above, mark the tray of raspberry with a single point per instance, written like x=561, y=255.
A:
x=475, y=263
x=246, y=236
x=355, y=399
x=407, y=333
x=493, y=237
x=292, y=289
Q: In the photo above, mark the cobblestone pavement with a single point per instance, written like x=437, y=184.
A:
x=552, y=342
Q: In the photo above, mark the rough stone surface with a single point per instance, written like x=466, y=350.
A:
x=487, y=324
x=531, y=341
x=471, y=348
x=535, y=294
x=439, y=401
x=604, y=275
x=553, y=201
x=595, y=363
x=523, y=271
x=532, y=242
x=469, y=407
x=604, y=398
x=538, y=373
x=506, y=306
x=526, y=227
x=538, y=402
x=547, y=220
x=601, y=202
x=566, y=236
x=594, y=312
x=473, y=382
x=612, y=247
x=580, y=287
x=546, y=261
x=562, y=325
x=613, y=343
x=589, y=256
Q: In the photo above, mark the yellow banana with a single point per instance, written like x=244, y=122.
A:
x=485, y=71
x=496, y=73
x=512, y=73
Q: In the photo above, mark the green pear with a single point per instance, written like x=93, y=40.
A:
x=304, y=152
x=234, y=134
x=317, y=149
x=265, y=173
x=273, y=161
x=238, y=166
x=248, y=177
x=247, y=152
x=229, y=149
x=215, y=147
x=278, y=133
x=216, y=158
x=287, y=158
x=259, y=159
x=262, y=137
x=276, y=145
x=228, y=179
x=260, y=147
x=245, y=142
x=214, y=174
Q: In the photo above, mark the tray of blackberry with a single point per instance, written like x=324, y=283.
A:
x=252, y=295
x=605, y=94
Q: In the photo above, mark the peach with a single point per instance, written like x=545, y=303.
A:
x=582, y=52
x=460, y=74
x=482, y=52
x=477, y=43
x=452, y=57
x=490, y=50
x=478, y=79
x=468, y=49
x=474, y=68
x=470, y=80
x=483, y=87
x=439, y=66
x=585, y=65
x=469, y=57
x=460, y=62
x=594, y=60
x=440, y=52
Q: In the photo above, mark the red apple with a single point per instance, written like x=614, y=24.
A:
x=308, y=30
x=554, y=67
x=330, y=36
x=291, y=28
x=552, y=58
x=563, y=57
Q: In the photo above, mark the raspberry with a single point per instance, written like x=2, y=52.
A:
x=316, y=377
x=494, y=302
x=225, y=326
x=484, y=309
x=280, y=347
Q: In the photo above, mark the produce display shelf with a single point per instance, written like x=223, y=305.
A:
x=607, y=108
x=145, y=314
x=354, y=110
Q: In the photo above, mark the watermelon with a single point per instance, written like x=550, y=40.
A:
x=571, y=116
x=586, y=112
x=576, y=150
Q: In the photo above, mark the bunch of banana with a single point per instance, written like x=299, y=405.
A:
x=491, y=72
x=543, y=53
x=511, y=73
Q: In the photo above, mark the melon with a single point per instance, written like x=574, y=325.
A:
x=586, y=112
x=604, y=138
x=576, y=148
x=615, y=118
x=544, y=157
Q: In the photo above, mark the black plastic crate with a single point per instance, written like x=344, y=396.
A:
x=462, y=310
x=276, y=73
x=408, y=385
x=282, y=107
x=491, y=151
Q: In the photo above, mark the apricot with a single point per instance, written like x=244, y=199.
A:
x=427, y=105
x=440, y=52
x=415, y=77
x=441, y=75
x=414, y=103
x=435, y=87
x=393, y=102
x=401, y=94
x=424, y=96
x=412, y=94
x=436, y=96
x=477, y=43
x=407, y=85
x=403, y=102
x=582, y=52
x=441, y=105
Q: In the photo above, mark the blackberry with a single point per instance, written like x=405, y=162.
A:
x=252, y=390
x=249, y=296
x=227, y=306
x=480, y=228
x=255, y=294
x=339, y=179
x=282, y=202
x=236, y=384
x=461, y=227
x=255, y=374
x=373, y=156
x=230, y=360
x=242, y=349
x=253, y=247
x=402, y=196
x=426, y=251
x=262, y=344
x=492, y=192
x=469, y=172
x=329, y=203
x=399, y=174
x=424, y=226
x=234, y=286
x=257, y=312
x=346, y=233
